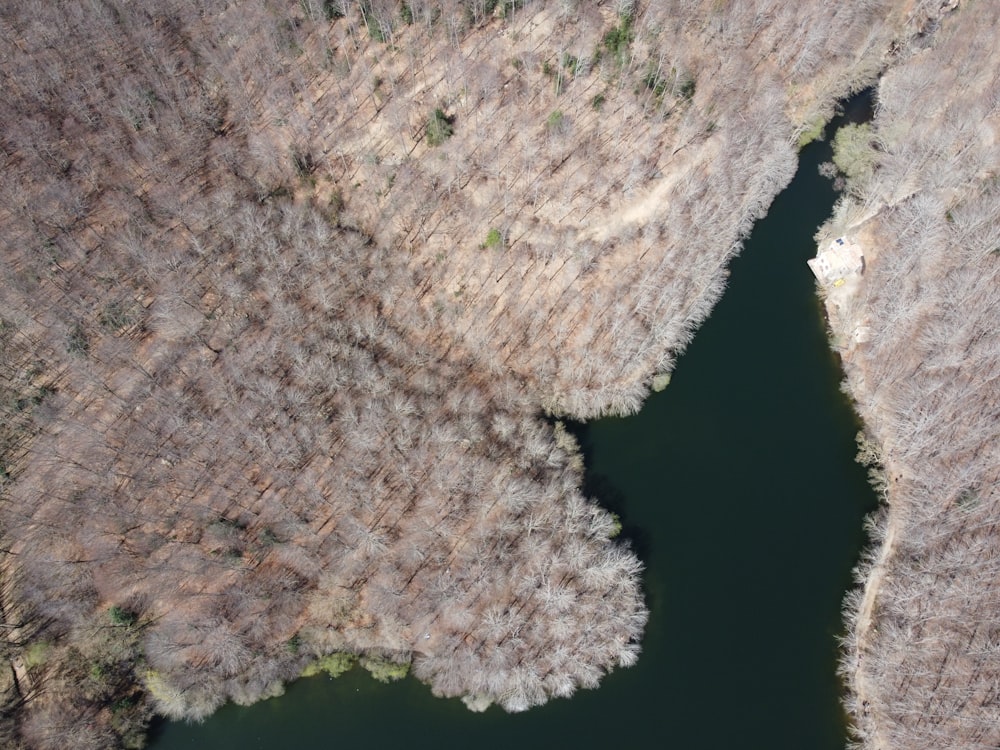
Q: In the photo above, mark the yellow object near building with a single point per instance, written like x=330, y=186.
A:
x=839, y=282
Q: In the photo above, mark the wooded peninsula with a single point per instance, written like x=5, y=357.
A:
x=295, y=294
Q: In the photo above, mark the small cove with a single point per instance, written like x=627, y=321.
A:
x=737, y=487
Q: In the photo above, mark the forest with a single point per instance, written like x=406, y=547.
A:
x=922, y=650
x=295, y=295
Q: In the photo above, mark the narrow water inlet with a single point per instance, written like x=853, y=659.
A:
x=737, y=486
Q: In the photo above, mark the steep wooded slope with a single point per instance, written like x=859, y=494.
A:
x=923, y=651
x=285, y=288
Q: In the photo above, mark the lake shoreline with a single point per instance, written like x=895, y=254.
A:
x=287, y=293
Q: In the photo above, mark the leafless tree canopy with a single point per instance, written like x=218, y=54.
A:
x=285, y=288
x=923, y=654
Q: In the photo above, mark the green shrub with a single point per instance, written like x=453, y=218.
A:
x=36, y=653
x=556, y=122
x=616, y=525
x=334, y=664
x=507, y=7
x=121, y=616
x=617, y=40
x=812, y=131
x=385, y=670
x=332, y=9
x=493, y=238
x=376, y=30
x=439, y=128
x=660, y=381
x=687, y=89
x=854, y=151
x=655, y=81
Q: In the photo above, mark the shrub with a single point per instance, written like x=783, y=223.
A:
x=493, y=238
x=687, y=89
x=378, y=24
x=36, y=653
x=332, y=9
x=385, y=670
x=854, y=151
x=439, y=128
x=660, y=381
x=334, y=664
x=556, y=122
x=168, y=699
x=655, y=81
x=617, y=40
x=121, y=616
x=77, y=341
x=117, y=315
x=507, y=7
x=304, y=162
x=812, y=131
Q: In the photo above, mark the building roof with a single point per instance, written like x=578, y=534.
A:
x=842, y=257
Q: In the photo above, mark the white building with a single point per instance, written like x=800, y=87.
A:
x=841, y=259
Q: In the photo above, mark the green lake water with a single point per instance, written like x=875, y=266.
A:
x=737, y=487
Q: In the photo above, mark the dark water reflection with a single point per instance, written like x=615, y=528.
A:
x=738, y=488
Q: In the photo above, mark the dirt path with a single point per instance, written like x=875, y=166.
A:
x=865, y=628
x=647, y=204
x=839, y=314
